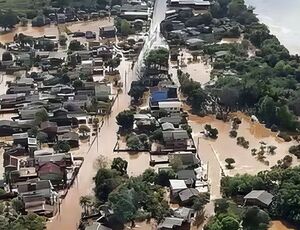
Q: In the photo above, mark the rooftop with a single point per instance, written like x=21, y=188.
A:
x=260, y=195
x=177, y=184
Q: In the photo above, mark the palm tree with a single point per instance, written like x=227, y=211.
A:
x=85, y=202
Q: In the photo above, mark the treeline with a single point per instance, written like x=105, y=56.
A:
x=266, y=80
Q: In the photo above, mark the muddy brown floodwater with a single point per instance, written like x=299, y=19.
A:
x=216, y=151
x=53, y=29
x=70, y=212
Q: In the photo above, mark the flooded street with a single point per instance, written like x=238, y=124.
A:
x=70, y=213
x=30, y=31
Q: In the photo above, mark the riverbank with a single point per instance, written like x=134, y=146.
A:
x=286, y=27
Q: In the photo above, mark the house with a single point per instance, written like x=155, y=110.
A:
x=52, y=172
x=37, y=204
x=186, y=195
x=260, y=198
x=171, y=223
x=7, y=128
x=144, y=123
x=176, y=186
x=185, y=213
x=49, y=127
x=11, y=100
x=102, y=91
x=20, y=139
x=72, y=139
x=19, y=89
x=60, y=159
x=170, y=106
x=195, y=4
x=188, y=175
x=194, y=43
x=107, y=32
x=167, y=126
x=133, y=15
x=60, y=116
x=61, y=18
x=174, y=119
x=175, y=139
x=43, y=188
x=29, y=113
x=187, y=158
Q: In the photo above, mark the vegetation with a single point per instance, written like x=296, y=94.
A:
x=211, y=132
x=157, y=58
x=8, y=19
x=229, y=162
x=125, y=119
x=62, y=147
x=229, y=216
x=84, y=129
x=264, y=84
x=282, y=182
x=137, y=90
x=295, y=150
x=131, y=198
x=123, y=26
x=120, y=165
x=11, y=218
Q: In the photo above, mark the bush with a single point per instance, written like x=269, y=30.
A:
x=295, y=150
x=134, y=143
x=125, y=119
x=229, y=162
x=233, y=133
x=212, y=132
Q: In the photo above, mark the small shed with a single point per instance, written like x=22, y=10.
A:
x=260, y=198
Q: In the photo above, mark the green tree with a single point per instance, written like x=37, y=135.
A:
x=42, y=137
x=149, y=175
x=85, y=202
x=78, y=84
x=137, y=91
x=157, y=58
x=267, y=110
x=120, y=165
x=113, y=63
x=164, y=176
x=221, y=206
x=197, y=99
x=200, y=201
x=125, y=119
x=125, y=28
x=84, y=129
x=176, y=163
x=286, y=119
x=62, y=147
x=229, y=162
x=75, y=45
x=8, y=19
x=255, y=218
x=41, y=116
x=134, y=143
x=106, y=180
x=230, y=223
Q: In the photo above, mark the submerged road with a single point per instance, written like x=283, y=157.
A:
x=70, y=210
